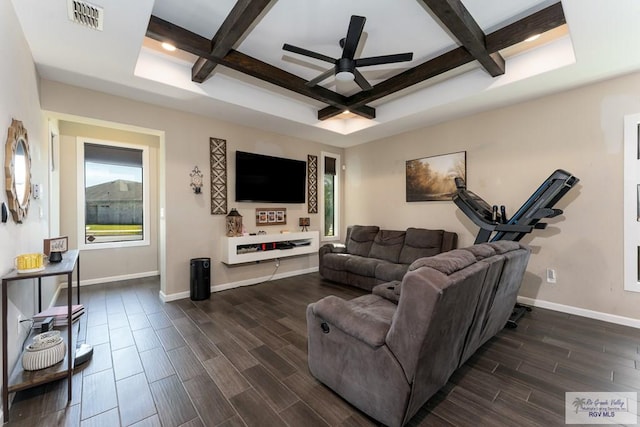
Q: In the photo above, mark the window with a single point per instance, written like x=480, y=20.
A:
x=113, y=201
x=632, y=203
x=330, y=165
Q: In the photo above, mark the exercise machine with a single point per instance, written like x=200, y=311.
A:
x=494, y=224
x=491, y=220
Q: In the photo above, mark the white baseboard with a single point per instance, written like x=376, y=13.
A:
x=606, y=317
x=90, y=282
x=224, y=286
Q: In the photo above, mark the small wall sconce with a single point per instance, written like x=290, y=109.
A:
x=196, y=180
x=304, y=223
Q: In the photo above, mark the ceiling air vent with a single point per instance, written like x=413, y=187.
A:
x=85, y=13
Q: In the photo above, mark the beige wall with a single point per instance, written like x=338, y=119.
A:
x=126, y=262
x=190, y=230
x=19, y=100
x=510, y=151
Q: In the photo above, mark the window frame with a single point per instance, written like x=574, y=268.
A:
x=336, y=197
x=81, y=208
x=631, y=209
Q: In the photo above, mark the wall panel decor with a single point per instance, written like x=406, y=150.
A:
x=312, y=183
x=218, y=158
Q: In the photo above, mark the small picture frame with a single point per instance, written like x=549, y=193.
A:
x=56, y=244
x=271, y=216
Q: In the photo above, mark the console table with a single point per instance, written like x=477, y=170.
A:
x=260, y=247
x=19, y=378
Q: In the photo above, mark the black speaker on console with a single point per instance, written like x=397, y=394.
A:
x=200, y=278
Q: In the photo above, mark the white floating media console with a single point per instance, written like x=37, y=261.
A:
x=237, y=250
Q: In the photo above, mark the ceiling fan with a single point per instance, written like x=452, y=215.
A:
x=345, y=68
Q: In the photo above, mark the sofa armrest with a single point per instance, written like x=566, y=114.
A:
x=351, y=319
x=336, y=248
x=449, y=241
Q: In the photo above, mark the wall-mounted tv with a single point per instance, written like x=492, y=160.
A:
x=261, y=178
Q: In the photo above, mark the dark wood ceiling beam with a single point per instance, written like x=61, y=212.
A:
x=183, y=39
x=463, y=27
x=236, y=24
x=362, y=111
x=536, y=23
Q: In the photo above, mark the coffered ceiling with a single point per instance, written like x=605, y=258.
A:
x=467, y=56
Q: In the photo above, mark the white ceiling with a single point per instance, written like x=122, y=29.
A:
x=601, y=43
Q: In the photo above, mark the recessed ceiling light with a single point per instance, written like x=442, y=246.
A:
x=168, y=46
x=532, y=38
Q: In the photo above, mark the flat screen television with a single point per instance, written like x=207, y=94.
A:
x=261, y=178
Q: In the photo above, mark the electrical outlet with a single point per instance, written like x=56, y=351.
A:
x=551, y=275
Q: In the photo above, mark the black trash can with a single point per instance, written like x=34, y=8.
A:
x=200, y=278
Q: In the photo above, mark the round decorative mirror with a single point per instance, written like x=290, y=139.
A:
x=17, y=170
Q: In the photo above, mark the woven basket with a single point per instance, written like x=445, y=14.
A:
x=46, y=350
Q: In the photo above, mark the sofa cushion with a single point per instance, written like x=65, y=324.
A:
x=362, y=266
x=335, y=261
x=387, y=245
x=367, y=317
x=481, y=251
x=504, y=246
x=419, y=243
x=361, y=238
x=389, y=291
x=446, y=262
x=387, y=272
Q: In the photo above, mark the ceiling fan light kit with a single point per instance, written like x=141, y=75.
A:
x=345, y=67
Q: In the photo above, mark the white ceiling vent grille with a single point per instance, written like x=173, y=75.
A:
x=85, y=13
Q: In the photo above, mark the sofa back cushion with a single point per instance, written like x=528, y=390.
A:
x=361, y=238
x=435, y=310
x=387, y=245
x=446, y=263
x=420, y=242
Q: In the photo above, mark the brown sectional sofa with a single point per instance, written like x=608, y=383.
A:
x=371, y=256
x=388, y=352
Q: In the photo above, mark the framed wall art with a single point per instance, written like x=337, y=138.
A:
x=271, y=216
x=432, y=178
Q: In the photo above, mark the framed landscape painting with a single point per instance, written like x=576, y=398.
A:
x=432, y=178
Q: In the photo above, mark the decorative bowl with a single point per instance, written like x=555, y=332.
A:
x=44, y=352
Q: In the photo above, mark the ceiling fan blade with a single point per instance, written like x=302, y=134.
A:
x=384, y=59
x=321, y=77
x=361, y=81
x=356, y=25
x=308, y=53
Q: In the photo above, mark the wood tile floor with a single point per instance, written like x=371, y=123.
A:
x=239, y=359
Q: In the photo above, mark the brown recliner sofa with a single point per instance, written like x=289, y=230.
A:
x=388, y=352
x=371, y=256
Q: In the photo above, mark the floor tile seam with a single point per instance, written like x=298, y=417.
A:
x=308, y=407
x=276, y=379
x=613, y=359
x=551, y=414
x=155, y=405
x=579, y=380
x=106, y=410
x=530, y=385
x=481, y=419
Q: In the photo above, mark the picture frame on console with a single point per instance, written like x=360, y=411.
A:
x=432, y=178
x=271, y=216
